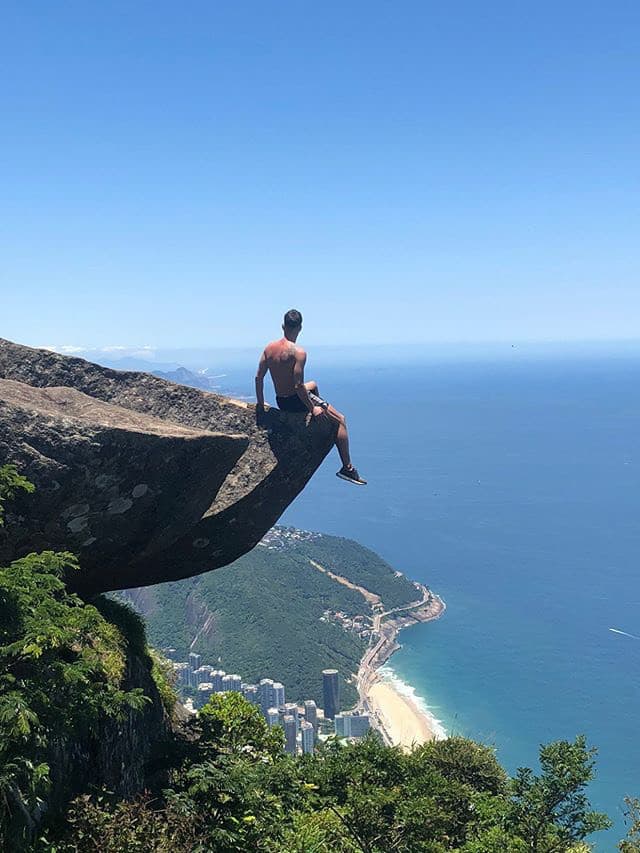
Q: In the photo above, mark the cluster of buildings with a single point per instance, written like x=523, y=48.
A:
x=279, y=537
x=303, y=724
x=357, y=624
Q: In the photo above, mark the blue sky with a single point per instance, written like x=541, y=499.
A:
x=178, y=175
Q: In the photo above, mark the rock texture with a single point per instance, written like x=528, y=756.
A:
x=146, y=480
x=125, y=754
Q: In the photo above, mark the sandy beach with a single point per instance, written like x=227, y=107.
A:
x=399, y=718
x=402, y=722
x=393, y=711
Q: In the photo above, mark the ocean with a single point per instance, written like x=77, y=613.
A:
x=512, y=488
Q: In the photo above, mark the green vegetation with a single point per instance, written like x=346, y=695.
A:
x=632, y=842
x=361, y=566
x=261, y=617
x=61, y=668
x=11, y=482
x=234, y=789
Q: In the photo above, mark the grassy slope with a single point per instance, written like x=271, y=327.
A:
x=360, y=565
x=263, y=613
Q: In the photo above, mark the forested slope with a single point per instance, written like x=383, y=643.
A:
x=263, y=616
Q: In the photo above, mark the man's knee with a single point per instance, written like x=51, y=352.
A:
x=338, y=416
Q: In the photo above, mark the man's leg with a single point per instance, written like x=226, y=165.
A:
x=342, y=437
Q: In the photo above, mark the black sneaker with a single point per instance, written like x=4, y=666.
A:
x=351, y=476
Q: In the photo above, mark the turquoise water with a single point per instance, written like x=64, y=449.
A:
x=513, y=490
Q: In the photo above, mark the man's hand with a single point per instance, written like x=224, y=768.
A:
x=261, y=414
x=318, y=412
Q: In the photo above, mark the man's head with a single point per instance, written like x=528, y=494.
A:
x=292, y=322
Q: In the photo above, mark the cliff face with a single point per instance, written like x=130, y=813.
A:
x=145, y=480
x=122, y=754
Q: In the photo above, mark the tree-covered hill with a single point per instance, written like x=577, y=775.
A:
x=360, y=565
x=263, y=616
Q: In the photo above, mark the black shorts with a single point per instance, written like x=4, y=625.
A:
x=293, y=403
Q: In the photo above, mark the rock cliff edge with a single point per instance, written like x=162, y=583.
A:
x=145, y=480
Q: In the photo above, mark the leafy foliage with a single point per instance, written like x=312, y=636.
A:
x=61, y=665
x=236, y=790
x=551, y=811
x=631, y=843
x=230, y=725
x=10, y=483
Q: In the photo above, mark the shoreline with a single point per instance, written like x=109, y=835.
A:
x=392, y=704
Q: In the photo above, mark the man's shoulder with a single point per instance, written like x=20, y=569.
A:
x=276, y=347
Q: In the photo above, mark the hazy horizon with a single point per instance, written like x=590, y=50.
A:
x=320, y=355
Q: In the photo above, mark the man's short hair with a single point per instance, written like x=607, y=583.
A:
x=293, y=319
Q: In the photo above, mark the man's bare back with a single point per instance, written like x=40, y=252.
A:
x=281, y=361
x=285, y=362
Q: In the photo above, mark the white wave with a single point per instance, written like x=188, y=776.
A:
x=624, y=633
x=404, y=689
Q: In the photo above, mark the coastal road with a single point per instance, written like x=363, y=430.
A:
x=427, y=607
x=423, y=609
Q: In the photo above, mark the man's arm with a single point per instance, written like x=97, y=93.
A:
x=261, y=373
x=298, y=381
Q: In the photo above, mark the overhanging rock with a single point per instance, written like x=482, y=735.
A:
x=145, y=480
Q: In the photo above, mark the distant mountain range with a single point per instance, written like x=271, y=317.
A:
x=187, y=377
x=170, y=371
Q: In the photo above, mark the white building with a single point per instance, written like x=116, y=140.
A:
x=291, y=709
x=311, y=712
x=216, y=679
x=273, y=716
x=307, y=737
x=204, y=691
x=290, y=731
x=278, y=694
x=352, y=724
x=232, y=683
x=250, y=693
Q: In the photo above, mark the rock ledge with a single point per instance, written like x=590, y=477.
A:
x=145, y=480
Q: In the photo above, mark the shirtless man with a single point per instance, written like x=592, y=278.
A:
x=285, y=362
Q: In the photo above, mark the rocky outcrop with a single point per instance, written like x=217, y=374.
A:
x=145, y=480
x=123, y=753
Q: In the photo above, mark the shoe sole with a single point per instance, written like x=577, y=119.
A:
x=351, y=480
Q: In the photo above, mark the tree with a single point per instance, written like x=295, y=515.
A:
x=631, y=843
x=461, y=760
x=229, y=724
x=61, y=664
x=551, y=812
x=10, y=483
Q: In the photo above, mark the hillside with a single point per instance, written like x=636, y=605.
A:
x=360, y=565
x=266, y=614
x=86, y=712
